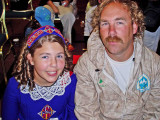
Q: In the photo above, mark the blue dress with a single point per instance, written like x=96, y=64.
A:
x=43, y=103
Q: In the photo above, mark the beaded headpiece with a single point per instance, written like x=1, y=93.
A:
x=43, y=31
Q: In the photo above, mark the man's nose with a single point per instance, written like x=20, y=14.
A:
x=112, y=30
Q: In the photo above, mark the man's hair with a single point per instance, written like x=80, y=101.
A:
x=135, y=12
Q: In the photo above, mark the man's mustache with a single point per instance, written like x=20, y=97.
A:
x=114, y=39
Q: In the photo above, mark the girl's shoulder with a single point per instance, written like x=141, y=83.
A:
x=12, y=88
x=73, y=75
x=12, y=81
x=73, y=79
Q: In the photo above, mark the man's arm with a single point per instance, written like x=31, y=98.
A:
x=86, y=97
x=152, y=106
x=51, y=4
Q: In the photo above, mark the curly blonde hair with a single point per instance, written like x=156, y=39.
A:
x=135, y=12
x=24, y=71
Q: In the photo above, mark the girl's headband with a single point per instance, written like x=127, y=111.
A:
x=43, y=31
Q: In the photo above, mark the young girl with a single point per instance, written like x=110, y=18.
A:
x=42, y=87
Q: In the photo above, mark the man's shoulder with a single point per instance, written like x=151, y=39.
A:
x=151, y=57
x=84, y=56
x=82, y=61
x=151, y=53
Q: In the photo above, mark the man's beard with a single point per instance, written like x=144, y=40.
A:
x=113, y=39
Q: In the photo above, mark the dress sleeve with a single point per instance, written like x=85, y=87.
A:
x=86, y=97
x=68, y=113
x=71, y=104
x=10, y=101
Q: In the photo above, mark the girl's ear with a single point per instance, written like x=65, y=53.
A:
x=30, y=59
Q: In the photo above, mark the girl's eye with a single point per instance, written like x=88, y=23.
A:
x=60, y=56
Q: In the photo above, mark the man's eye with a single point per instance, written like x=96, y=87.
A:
x=104, y=23
x=120, y=23
x=44, y=57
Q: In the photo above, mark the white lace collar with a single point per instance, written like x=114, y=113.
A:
x=47, y=93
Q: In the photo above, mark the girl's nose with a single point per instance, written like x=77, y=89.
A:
x=53, y=62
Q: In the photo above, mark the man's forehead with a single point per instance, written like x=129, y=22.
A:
x=115, y=8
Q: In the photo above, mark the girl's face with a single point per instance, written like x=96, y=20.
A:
x=49, y=62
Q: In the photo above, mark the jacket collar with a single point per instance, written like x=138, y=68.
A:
x=96, y=50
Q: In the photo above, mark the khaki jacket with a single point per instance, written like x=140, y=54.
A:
x=98, y=97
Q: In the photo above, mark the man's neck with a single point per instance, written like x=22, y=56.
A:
x=122, y=56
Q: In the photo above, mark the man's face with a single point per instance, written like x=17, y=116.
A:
x=116, y=31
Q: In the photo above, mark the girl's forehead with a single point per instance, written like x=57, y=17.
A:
x=50, y=46
x=45, y=43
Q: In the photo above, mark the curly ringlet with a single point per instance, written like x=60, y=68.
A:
x=24, y=71
x=135, y=12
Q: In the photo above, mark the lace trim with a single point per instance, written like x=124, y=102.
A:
x=47, y=93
